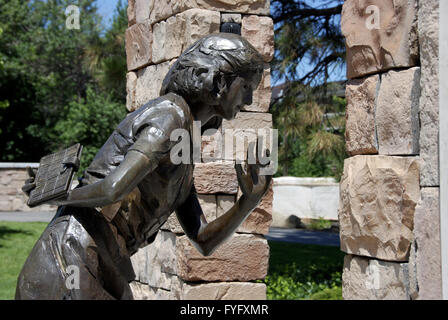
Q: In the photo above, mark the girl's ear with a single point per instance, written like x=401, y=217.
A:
x=219, y=85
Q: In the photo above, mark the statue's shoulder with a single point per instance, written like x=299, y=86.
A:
x=165, y=113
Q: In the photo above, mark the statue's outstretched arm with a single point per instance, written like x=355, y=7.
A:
x=206, y=237
x=142, y=158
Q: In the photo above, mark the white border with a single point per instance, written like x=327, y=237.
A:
x=443, y=140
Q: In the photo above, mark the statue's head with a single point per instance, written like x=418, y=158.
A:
x=219, y=71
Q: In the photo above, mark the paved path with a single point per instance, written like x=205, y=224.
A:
x=304, y=236
x=27, y=216
x=275, y=234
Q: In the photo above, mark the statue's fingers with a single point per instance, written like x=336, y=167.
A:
x=30, y=172
x=254, y=172
x=243, y=179
x=28, y=187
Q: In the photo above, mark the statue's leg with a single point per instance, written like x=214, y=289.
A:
x=75, y=258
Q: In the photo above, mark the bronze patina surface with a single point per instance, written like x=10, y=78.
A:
x=132, y=186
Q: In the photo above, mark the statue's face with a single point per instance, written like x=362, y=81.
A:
x=238, y=94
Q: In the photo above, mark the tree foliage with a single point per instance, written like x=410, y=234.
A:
x=309, y=50
x=47, y=67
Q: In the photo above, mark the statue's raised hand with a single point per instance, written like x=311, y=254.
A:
x=30, y=183
x=253, y=185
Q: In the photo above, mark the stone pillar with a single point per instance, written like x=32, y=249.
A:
x=389, y=192
x=171, y=268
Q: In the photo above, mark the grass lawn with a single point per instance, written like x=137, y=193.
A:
x=16, y=241
x=299, y=271
x=296, y=271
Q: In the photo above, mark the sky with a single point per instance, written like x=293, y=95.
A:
x=106, y=8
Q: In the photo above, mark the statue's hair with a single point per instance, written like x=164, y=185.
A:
x=199, y=73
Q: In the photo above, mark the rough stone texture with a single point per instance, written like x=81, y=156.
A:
x=378, y=196
x=177, y=33
x=231, y=17
x=262, y=96
x=428, y=30
x=131, y=86
x=149, y=83
x=131, y=12
x=427, y=238
x=215, y=177
x=140, y=291
x=143, y=9
x=209, y=207
x=241, y=258
x=360, y=132
x=393, y=45
x=168, y=39
x=224, y=291
x=397, y=122
x=244, y=129
x=12, y=197
x=138, y=45
x=212, y=146
x=155, y=263
x=259, y=31
x=260, y=220
x=198, y=23
x=167, y=8
x=225, y=203
x=369, y=279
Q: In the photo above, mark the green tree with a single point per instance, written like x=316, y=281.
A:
x=89, y=121
x=309, y=48
x=47, y=69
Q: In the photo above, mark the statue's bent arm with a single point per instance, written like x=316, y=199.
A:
x=207, y=237
x=141, y=159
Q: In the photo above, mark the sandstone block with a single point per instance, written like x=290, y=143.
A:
x=138, y=45
x=398, y=126
x=224, y=291
x=225, y=203
x=167, y=8
x=131, y=12
x=378, y=196
x=262, y=96
x=131, y=86
x=168, y=39
x=149, y=83
x=231, y=17
x=143, y=9
x=140, y=291
x=139, y=263
x=241, y=258
x=198, y=23
x=368, y=279
x=259, y=31
x=360, y=132
x=260, y=219
x=428, y=31
x=379, y=35
x=215, y=177
x=245, y=129
x=209, y=207
x=427, y=238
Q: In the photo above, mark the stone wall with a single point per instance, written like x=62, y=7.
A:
x=389, y=192
x=12, y=178
x=171, y=268
x=305, y=198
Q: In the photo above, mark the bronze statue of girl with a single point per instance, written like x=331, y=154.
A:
x=131, y=187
